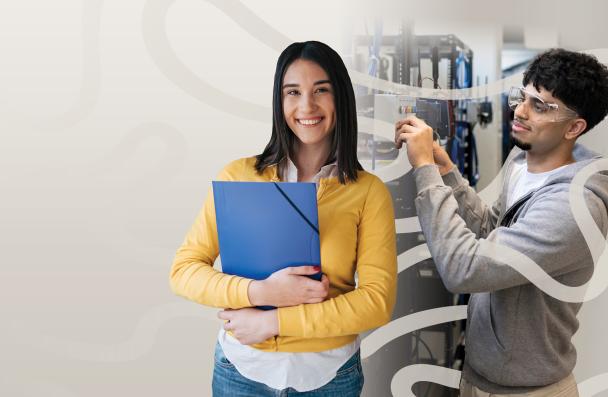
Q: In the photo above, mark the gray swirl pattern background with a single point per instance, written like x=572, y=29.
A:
x=114, y=118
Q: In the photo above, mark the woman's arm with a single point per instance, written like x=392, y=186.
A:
x=193, y=275
x=371, y=304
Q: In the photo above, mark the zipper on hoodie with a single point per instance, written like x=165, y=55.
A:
x=510, y=213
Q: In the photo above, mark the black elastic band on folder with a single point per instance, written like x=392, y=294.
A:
x=295, y=207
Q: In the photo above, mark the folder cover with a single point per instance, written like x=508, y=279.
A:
x=263, y=227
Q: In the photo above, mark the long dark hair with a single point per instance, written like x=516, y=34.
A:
x=343, y=139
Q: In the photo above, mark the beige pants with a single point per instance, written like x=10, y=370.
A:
x=564, y=388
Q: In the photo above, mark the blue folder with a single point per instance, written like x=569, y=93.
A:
x=263, y=227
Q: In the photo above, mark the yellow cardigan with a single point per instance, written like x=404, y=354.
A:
x=357, y=233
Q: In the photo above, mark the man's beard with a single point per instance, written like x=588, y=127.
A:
x=522, y=145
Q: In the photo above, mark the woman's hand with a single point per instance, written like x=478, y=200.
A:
x=289, y=287
x=251, y=325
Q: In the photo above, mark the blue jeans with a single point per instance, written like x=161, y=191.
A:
x=228, y=382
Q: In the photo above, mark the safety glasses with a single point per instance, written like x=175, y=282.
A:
x=546, y=110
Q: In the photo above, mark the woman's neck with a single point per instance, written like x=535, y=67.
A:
x=309, y=159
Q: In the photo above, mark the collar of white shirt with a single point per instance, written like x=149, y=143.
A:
x=290, y=172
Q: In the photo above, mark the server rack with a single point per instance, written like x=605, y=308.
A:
x=420, y=288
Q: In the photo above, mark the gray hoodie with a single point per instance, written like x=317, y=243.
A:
x=518, y=337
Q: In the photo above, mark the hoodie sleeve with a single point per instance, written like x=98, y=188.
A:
x=479, y=217
x=547, y=234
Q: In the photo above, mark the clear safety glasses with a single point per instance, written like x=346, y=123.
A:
x=548, y=111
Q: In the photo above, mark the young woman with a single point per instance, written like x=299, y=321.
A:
x=309, y=345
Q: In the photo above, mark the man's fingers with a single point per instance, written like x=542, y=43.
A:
x=403, y=137
x=408, y=120
x=417, y=122
x=408, y=128
x=437, y=149
x=401, y=127
x=411, y=120
x=399, y=123
x=400, y=135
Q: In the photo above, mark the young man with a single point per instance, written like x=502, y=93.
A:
x=519, y=335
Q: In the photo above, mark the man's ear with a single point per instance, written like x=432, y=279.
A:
x=576, y=128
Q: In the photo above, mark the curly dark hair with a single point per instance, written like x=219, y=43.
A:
x=579, y=80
